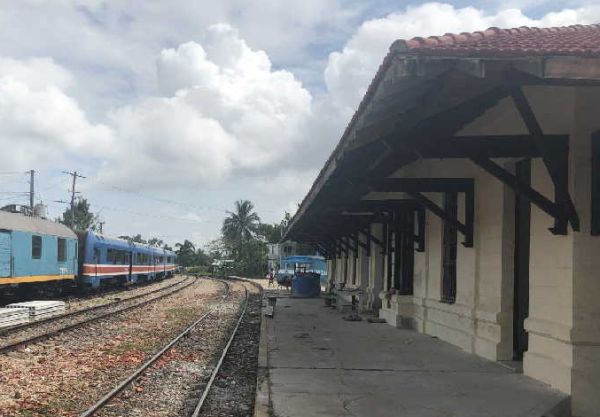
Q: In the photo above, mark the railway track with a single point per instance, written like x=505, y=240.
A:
x=106, y=399
x=20, y=327
x=47, y=328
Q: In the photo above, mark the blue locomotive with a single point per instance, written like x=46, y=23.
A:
x=37, y=251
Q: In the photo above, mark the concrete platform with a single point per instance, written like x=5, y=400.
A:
x=321, y=365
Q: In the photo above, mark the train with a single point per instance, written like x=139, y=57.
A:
x=38, y=252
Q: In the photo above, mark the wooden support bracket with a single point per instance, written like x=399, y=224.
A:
x=556, y=163
x=465, y=228
x=543, y=203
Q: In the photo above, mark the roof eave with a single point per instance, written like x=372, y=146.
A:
x=571, y=70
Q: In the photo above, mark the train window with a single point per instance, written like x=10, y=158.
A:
x=111, y=256
x=61, y=250
x=97, y=255
x=36, y=247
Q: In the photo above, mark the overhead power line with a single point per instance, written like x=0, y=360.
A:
x=13, y=172
x=137, y=213
x=161, y=200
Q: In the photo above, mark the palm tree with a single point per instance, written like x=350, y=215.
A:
x=186, y=253
x=240, y=225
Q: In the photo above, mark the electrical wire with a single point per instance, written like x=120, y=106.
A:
x=14, y=172
x=138, y=213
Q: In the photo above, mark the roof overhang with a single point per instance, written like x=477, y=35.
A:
x=419, y=96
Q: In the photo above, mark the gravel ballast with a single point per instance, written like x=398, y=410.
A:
x=66, y=374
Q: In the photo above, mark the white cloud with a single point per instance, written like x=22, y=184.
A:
x=40, y=123
x=226, y=110
x=37, y=73
x=110, y=44
x=193, y=217
x=350, y=70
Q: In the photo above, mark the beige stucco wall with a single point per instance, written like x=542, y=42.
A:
x=478, y=321
x=564, y=306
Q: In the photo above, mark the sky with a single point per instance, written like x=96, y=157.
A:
x=173, y=110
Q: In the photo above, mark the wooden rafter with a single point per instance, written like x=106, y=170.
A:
x=557, y=169
x=416, y=186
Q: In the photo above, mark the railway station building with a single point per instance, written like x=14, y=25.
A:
x=463, y=199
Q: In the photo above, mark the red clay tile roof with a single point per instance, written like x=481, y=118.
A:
x=576, y=40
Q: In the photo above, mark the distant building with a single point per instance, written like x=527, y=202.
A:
x=275, y=251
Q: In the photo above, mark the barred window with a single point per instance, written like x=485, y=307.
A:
x=36, y=247
x=449, y=250
x=61, y=249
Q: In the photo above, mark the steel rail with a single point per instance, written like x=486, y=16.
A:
x=13, y=346
x=208, y=386
x=9, y=330
x=110, y=395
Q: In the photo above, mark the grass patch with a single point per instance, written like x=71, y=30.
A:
x=181, y=314
x=128, y=346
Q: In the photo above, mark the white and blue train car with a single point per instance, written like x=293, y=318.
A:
x=108, y=261
x=35, y=251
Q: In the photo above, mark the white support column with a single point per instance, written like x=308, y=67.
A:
x=585, y=332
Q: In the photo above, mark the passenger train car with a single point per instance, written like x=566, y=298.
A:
x=105, y=260
x=36, y=251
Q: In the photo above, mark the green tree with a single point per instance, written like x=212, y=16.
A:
x=155, y=241
x=240, y=225
x=186, y=253
x=202, y=258
x=138, y=239
x=251, y=259
x=135, y=239
x=82, y=218
x=271, y=232
x=216, y=249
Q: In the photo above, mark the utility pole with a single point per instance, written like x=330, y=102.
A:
x=31, y=190
x=75, y=175
x=100, y=224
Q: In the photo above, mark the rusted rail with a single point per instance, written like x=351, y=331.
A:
x=139, y=371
